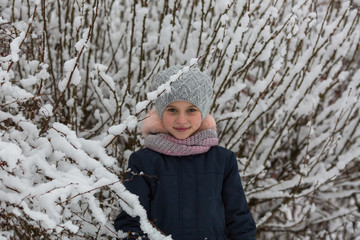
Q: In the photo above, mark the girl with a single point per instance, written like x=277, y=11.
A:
x=190, y=187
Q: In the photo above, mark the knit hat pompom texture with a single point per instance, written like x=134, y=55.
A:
x=192, y=86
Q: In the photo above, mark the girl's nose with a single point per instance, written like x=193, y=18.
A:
x=181, y=118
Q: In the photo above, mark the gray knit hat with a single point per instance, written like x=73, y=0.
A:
x=193, y=86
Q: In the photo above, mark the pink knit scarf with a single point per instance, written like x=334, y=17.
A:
x=159, y=140
x=198, y=143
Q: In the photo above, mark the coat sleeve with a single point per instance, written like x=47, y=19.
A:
x=138, y=185
x=240, y=224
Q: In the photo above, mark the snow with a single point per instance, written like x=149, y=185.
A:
x=78, y=21
x=73, y=228
x=46, y=110
x=80, y=44
x=193, y=61
x=30, y=81
x=15, y=46
x=142, y=12
x=286, y=80
x=10, y=154
x=72, y=74
x=2, y=20
x=118, y=129
x=130, y=123
x=108, y=79
x=38, y=216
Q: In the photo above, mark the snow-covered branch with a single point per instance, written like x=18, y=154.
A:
x=75, y=86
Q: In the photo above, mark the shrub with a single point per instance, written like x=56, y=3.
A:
x=74, y=83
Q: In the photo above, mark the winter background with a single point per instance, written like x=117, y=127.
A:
x=74, y=80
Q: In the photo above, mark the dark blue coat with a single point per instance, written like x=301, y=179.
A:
x=192, y=197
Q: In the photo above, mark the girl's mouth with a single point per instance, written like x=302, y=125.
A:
x=182, y=129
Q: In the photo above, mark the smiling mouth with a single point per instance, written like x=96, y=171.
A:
x=181, y=129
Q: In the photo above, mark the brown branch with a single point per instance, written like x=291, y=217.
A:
x=91, y=190
x=46, y=124
x=26, y=34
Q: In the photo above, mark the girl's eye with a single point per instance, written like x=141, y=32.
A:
x=191, y=110
x=171, y=110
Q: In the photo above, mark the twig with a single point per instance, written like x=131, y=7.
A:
x=26, y=34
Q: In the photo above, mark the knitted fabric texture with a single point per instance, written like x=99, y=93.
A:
x=192, y=86
x=169, y=145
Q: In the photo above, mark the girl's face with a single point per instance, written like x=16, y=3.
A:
x=181, y=119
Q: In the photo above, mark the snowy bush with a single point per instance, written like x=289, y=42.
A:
x=74, y=88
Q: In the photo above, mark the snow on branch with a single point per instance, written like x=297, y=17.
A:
x=75, y=82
